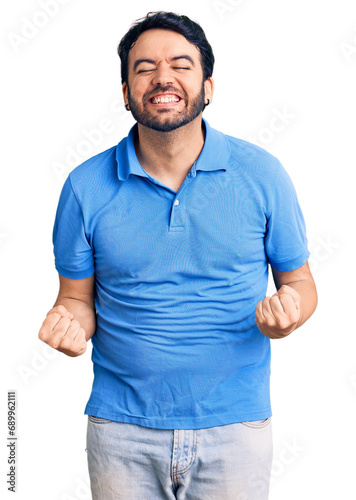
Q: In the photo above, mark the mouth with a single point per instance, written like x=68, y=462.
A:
x=165, y=100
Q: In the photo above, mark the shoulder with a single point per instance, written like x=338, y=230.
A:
x=255, y=171
x=96, y=166
x=251, y=156
x=94, y=180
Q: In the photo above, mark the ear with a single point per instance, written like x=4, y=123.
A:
x=125, y=92
x=209, y=88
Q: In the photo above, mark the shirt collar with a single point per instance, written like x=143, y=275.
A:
x=215, y=154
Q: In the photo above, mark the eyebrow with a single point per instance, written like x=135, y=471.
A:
x=151, y=61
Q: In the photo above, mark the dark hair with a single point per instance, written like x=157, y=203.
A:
x=191, y=30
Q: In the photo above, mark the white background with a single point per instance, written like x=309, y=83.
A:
x=61, y=82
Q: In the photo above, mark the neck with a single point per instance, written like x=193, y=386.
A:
x=170, y=154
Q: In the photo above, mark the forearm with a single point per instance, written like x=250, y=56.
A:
x=83, y=312
x=308, y=298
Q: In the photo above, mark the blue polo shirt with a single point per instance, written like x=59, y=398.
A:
x=178, y=276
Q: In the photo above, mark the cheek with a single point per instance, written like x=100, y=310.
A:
x=136, y=95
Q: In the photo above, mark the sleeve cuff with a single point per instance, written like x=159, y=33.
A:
x=291, y=265
x=76, y=275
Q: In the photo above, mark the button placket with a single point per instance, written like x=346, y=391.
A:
x=177, y=218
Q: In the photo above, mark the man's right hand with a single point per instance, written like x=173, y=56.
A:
x=62, y=332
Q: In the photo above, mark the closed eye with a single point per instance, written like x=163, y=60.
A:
x=148, y=70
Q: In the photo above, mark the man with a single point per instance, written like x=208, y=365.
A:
x=162, y=244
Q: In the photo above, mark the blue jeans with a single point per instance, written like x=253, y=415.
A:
x=131, y=462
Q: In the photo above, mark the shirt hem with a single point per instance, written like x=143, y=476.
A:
x=180, y=422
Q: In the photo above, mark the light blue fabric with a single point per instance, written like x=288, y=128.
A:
x=178, y=278
x=131, y=462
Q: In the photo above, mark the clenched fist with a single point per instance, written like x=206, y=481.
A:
x=277, y=316
x=62, y=332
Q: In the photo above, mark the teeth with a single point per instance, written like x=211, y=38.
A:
x=157, y=100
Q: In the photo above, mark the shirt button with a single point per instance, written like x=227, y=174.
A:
x=176, y=202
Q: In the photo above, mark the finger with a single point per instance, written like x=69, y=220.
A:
x=73, y=339
x=266, y=309
x=264, y=313
x=290, y=308
x=80, y=339
x=72, y=330
x=276, y=307
x=258, y=313
x=77, y=347
x=54, y=315
x=287, y=302
x=51, y=321
x=53, y=325
x=57, y=334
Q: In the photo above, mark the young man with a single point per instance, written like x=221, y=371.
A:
x=162, y=245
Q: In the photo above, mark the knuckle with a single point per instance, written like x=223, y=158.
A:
x=284, y=324
x=82, y=349
x=281, y=324
x=55, y=343
x=295, y=317
x=42, y=335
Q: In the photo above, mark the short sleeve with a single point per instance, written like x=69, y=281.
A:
x=285, y=242
x=72, y=251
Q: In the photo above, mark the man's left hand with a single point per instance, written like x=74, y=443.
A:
x=277, y=316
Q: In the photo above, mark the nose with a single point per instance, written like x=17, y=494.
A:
x=163, y=75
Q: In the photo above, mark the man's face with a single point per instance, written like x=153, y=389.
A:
x=165, y=88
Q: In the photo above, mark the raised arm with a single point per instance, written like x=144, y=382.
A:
x=72, y=320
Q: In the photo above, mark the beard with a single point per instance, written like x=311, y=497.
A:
x=180, y=118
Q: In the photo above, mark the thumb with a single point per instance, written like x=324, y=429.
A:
x=63, y=311
x=288, y=290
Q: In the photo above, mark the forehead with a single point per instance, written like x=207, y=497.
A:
x=160, y=44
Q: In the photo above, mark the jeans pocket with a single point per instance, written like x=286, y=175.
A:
x=98, y=420
x=257, y=424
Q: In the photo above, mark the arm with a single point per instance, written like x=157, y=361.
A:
x=72, y=320
x=293, y=303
